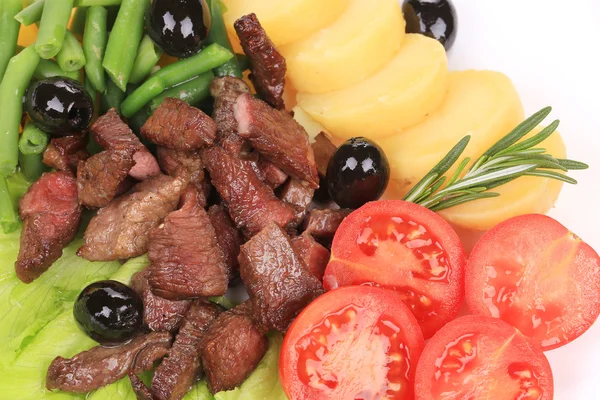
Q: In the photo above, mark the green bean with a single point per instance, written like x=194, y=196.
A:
x=94, y=45
x=91, y=3
x=31, y=14
x=171, y=75
x=48, y=69
x=78, y=21
x=124, y=41
x=9, y=31
x=244, y=61
x=31, y=166
x=218, y=34
x=111, y=98
x=18, y=74
x=8, y=214
x=53, y=27
x=147, y=57
x=33, y=140
x=192, y=91
x=90, y=89
x=71, y=57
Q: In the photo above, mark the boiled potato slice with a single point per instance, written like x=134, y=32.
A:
x=525, y=195
x=483, y=104
x=401, y=94
x=285, y=21
x=343, y=54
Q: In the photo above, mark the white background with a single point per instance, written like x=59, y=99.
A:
x=551, y=50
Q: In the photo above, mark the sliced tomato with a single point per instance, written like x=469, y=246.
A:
x=405, y=247
x=475, y=357
x=352, y=343
x=533, y=273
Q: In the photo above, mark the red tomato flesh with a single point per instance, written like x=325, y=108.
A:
x=404, y=247
x=355, y=342
x=475, y=357
x=533, y=273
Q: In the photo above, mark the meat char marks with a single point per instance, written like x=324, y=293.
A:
x=322, y=224
x=51, y=215
x=229, y=237
x=65, y=153
x=315, y=256
x=299, y=196
x=225, y=91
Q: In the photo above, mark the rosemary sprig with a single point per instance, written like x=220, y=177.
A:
x=504, y=162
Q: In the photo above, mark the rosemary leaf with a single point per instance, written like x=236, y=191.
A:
x=459, y=171
x=572, y=165
x=553, y=175
x=462, y=199
x=535, y=140
x=484, y=179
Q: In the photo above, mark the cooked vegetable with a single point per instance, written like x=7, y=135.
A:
x=218, y=34
x=94, y=46
x=53, y=27
x=32, y=13
x=9, y=220
x=78, y=21
x=477, y=357
x=71, y=56
x=91, y=3
x=33, y=140
x=358, y=172
x=352, y=343
x=192, y=91
x=18, y=74
x=436, y=19
x=171, y=75
x=549, y=279
x=109, y=312
x=124, y=40
x=146, y=59
x=59, y=105
x=49, y=69
x=31, y=166
x=9, y=31
x=111, y=98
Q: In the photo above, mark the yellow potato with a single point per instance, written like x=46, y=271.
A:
x=525, y=195
x=27, y=35
x=483, y=104
x=355, y=46
x=285, y=21
x=401, y=94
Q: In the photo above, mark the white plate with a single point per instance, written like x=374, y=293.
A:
x=550, y=49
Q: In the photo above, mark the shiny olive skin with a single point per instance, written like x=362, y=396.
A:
x=59, y=105
x=109, y=312
x=358, y=172
x=434, y=18
x=179, y=27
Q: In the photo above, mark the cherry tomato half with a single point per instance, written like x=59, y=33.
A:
x=356, y=342
x=405, y=247
x=535, y=274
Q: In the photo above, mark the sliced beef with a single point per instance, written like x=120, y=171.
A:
x=100, y=177
x=231, y=349
x=268, y=65
x=101, y=366
x=160, y=315
x=187, y=261
x=299, y=196
x=177, y=373
x=277, y=137
x=120, y=230
x=251, y=203
x=323, y=224
x=113, y=134
x=271, y=174
x=225, y=91
x=177, y=125
x=323, y=149
x=176, y=163
x=314, y=255
x=278, y=282
x=51, y=214
x=65, y=153
x=228, y=236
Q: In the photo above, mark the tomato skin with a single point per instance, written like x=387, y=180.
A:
x=434, y=303
x=352, y=366
x=535, y=274
x=496, y=362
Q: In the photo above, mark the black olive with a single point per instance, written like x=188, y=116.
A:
x=179, y=27
x=358, y=172
x=109, y=312
x=433, y=18
x=59, y=105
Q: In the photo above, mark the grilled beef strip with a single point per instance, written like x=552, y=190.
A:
x=160, y=315
x=176, y=163
x=100, y=177
x=268, y=65
x=179, y=126
x=177, y=373
x=229, y=237
x=272, y=175
x=280, y=285
x=101, y=366
x=51, y=215
x=120, y=230
x=113, y=134
x=225, y=91
x=314, y=255
x=323, y=149
x=251, y=203
x=299, y=196
x=277, y=137
x=65, y=153
x=322, y=224
x=187, y=261
x=232, y=348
